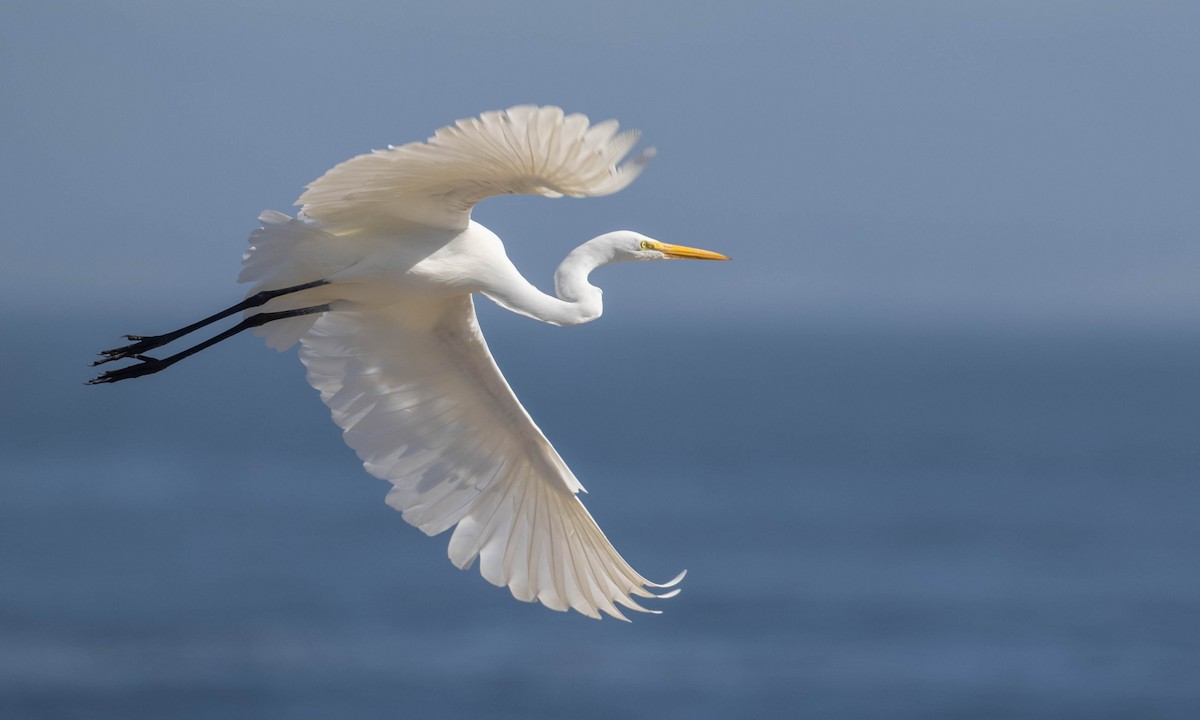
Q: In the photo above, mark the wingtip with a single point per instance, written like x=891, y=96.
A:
x=670, y=583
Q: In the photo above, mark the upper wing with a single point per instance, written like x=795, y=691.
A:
x=426, y=408
x=522, y=150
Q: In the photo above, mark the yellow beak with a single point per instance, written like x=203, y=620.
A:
x=683, y=252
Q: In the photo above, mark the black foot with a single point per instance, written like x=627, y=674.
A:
x=141, y=344
x=147, y=366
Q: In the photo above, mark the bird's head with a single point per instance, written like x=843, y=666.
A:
x=627, y=245
x=584, y=302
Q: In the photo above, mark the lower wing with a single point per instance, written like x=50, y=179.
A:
x=422, y=402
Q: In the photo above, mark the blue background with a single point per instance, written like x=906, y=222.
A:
x=927, y=447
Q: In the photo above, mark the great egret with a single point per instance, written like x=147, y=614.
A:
x=375, y=278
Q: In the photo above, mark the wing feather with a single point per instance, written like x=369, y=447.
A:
x=522, y=150
x=426, y=408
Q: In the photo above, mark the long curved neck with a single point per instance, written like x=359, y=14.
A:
x=578, y=300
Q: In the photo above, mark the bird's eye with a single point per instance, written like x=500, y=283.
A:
x=647, y=245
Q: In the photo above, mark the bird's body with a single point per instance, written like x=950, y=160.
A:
x=414, y=265
x=375, y=278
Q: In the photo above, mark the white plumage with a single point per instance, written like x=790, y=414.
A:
x=387, y=259
x=428, y=410
x=524, y=150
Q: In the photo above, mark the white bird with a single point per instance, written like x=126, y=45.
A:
x=375, y=278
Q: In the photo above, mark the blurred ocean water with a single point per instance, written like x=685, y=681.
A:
x=901, y=523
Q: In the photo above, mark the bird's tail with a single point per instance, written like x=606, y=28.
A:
x=284, y=252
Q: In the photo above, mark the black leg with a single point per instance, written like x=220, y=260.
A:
x=146, y=343
x=149, y=365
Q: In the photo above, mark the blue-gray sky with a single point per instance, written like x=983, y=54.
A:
x=1026, y=162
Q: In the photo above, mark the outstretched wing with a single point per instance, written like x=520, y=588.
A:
x=426, y=408
x=522, y=150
